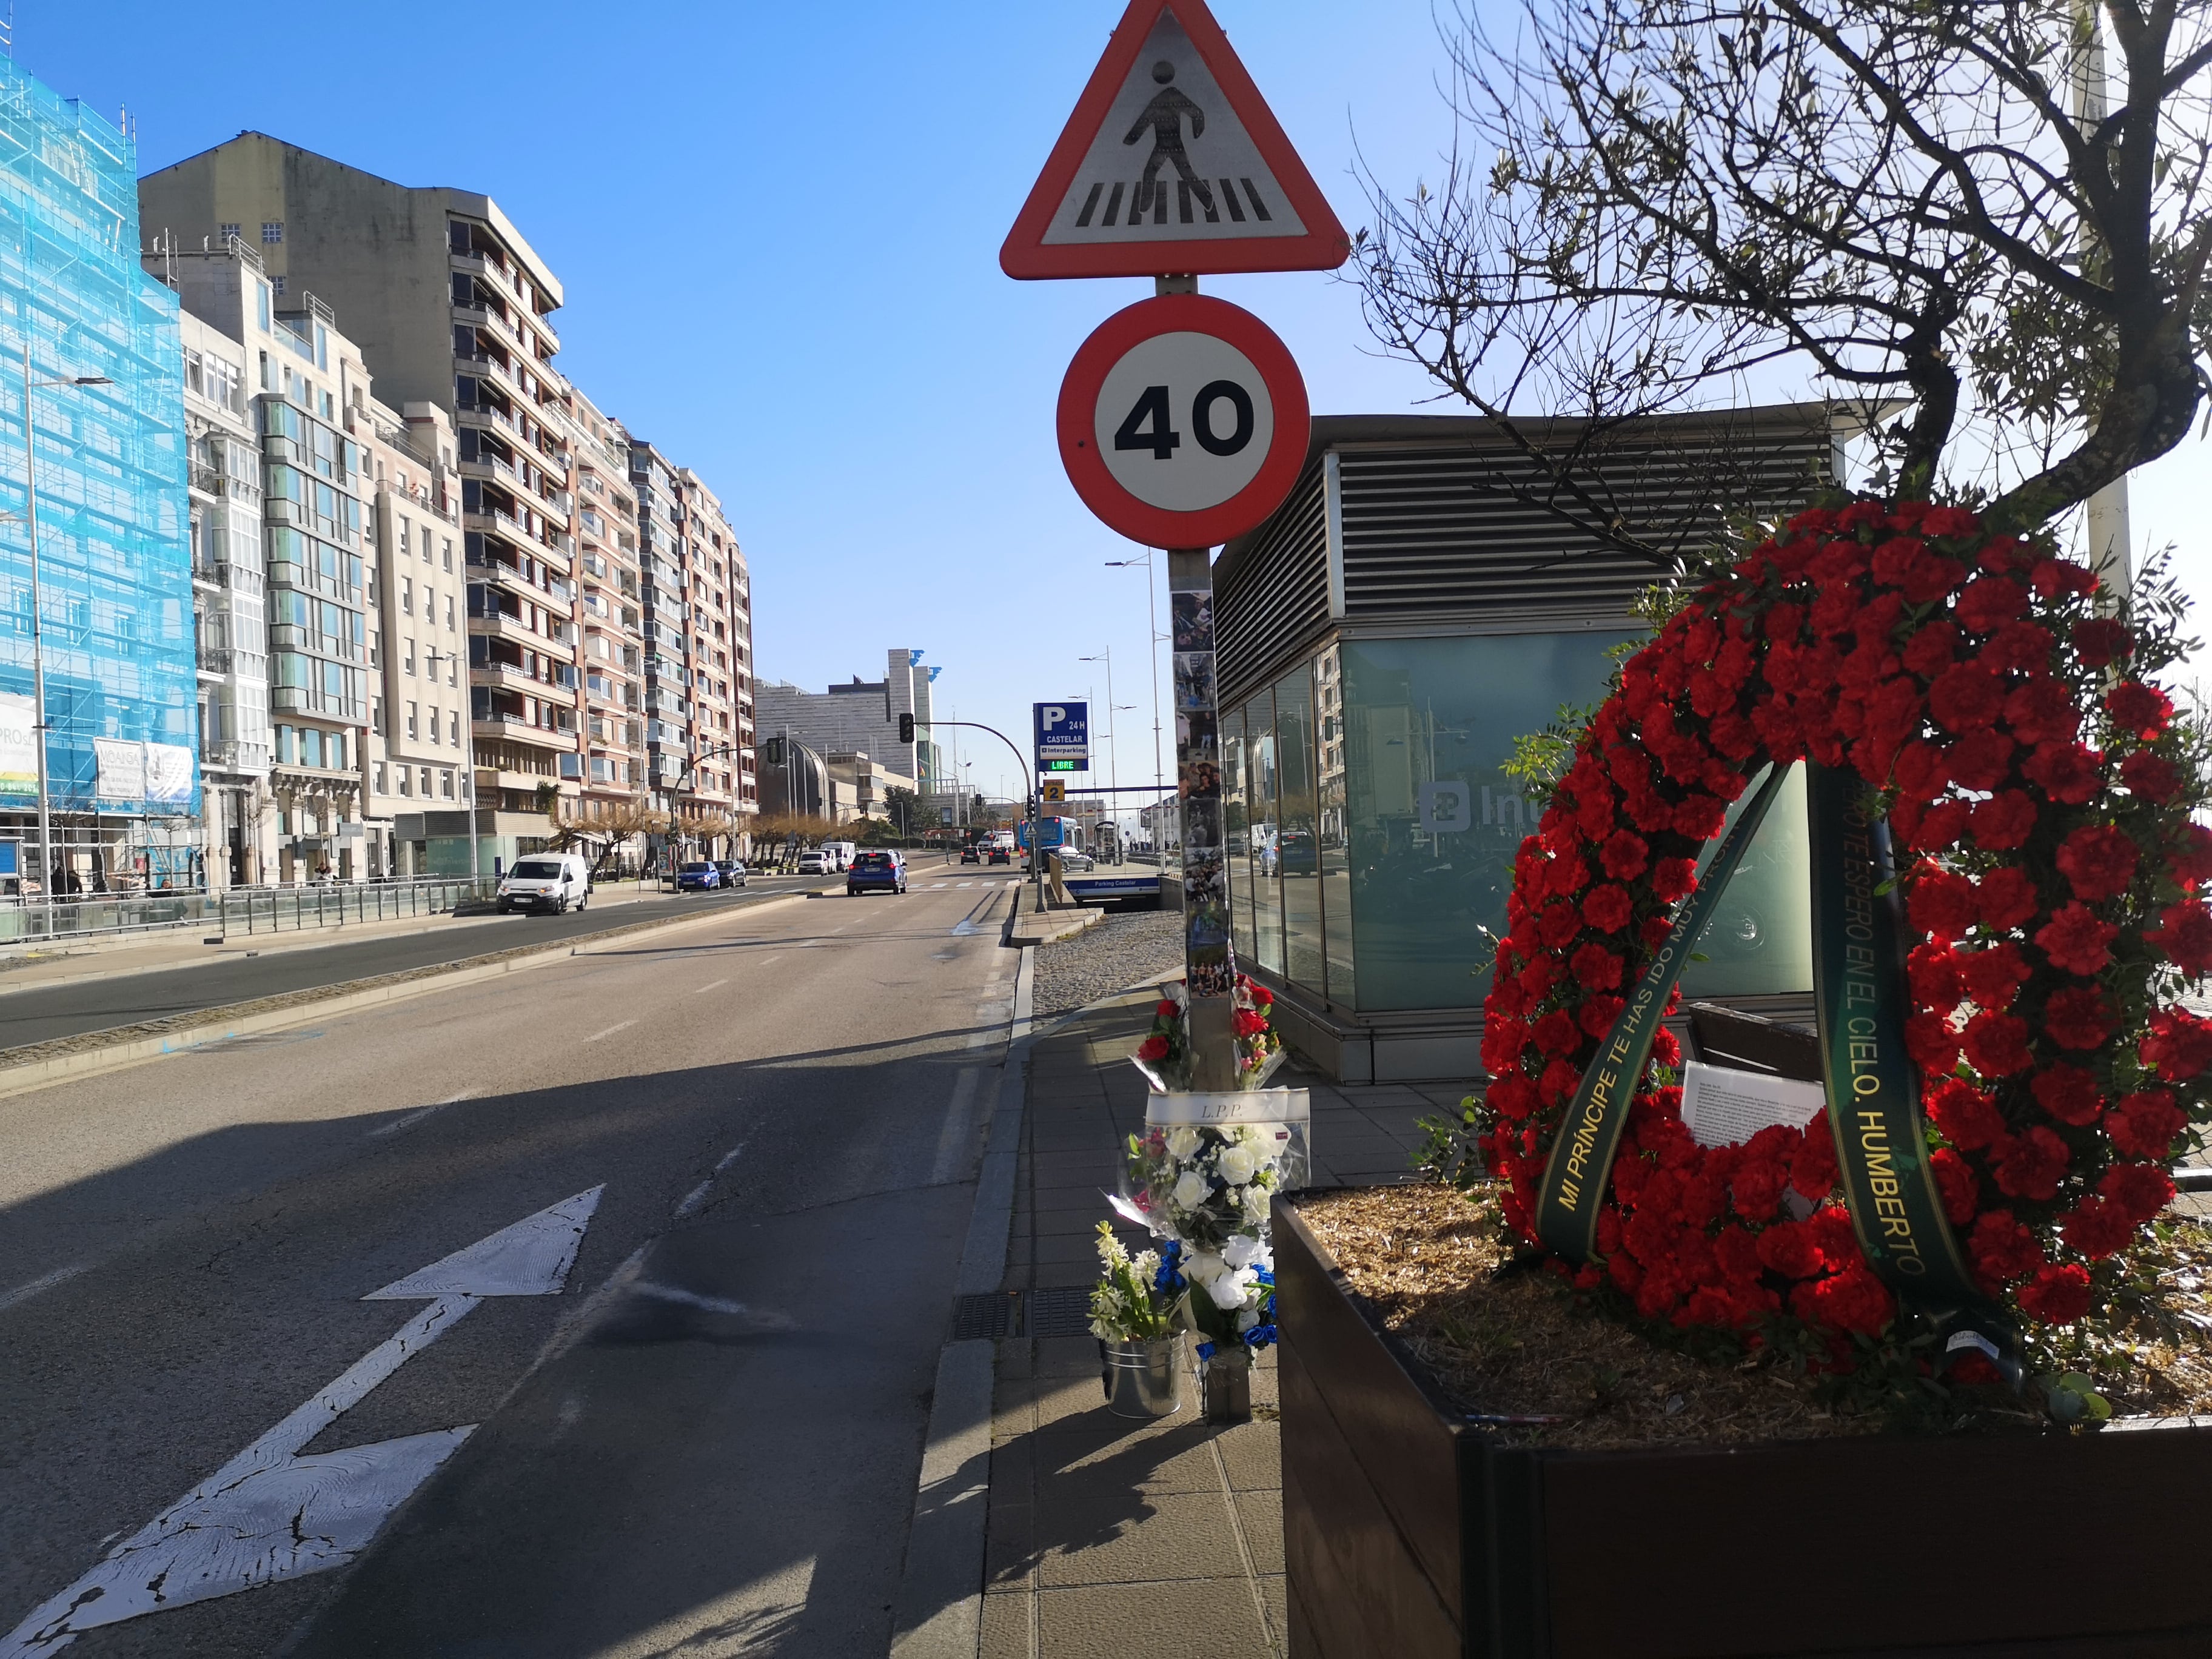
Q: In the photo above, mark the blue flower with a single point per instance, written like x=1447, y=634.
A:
x=1205, y=1351
x=1259, y=1336
x=1265, y=1275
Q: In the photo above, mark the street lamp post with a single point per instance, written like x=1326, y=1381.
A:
x=38, y=607
x=433, y=657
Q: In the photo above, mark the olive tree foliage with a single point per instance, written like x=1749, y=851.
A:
x=1985, y=226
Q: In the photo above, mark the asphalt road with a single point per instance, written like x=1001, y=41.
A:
x=706, y=1443
x=37, y=1014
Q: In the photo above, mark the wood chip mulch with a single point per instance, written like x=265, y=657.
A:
x=1427, y=1257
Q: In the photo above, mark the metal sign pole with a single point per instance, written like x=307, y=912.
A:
x=1209, y=954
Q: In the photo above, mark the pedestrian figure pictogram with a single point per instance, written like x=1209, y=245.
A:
x=1162, y=119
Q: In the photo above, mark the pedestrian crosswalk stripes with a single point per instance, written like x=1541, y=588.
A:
x=1151, y=195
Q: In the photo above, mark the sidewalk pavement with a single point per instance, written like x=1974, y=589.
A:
x=1108, y=1536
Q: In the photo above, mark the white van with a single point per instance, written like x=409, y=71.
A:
x=844, y=852
x=553, y=881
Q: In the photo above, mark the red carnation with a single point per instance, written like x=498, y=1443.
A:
x=2008, y=898
x=2069, y=1094
x=1555, y=1034
x=2154, y=778
x=1248, y=1022
x=1949, y=521
x=2052, y=577
x=1513, y=1096
x=2076, y=940
x=1831, y=1232
x=1812, y=1165
x=1624, y=855
x=1153, y=1048
x=1988, y=603
x=1597, y=1015
x=1942, y=904
x=1990, y=975
x=1968, y=1116
x=1608, y=909
x=1261, y=994
x=2142, y=711
x=2191, y=859
x=1930, y=1041
x=2179, y=1045
x=2017, y=645
x=2099, y=861
x=2004, y=820
x=1996, y=1044
x=2144, y=1124
x=2184, y=938
x=2097, y=1229
x=1700, y=816
x=2069, y=772
x=2102, y=640
x=1557, y=925
x=1853, y=1300
x=1558, y=1083
x=2139, y=1190
x=2060, y=1294
x=1787, y=1247
x=1757, y=1188
x=1165, y=1009
x=1960, y=1191
x=2003, y=1249
x=1933, y=973
x=2042, y=710
x=1595, y=968
x=2077, y=1018
x=1674, y=878
x=1930, y=651
x=1980, y=760
x=2033, y=1165
x=1966, y=697
x=1920, y=774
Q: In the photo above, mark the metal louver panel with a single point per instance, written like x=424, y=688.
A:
x=1278, y=594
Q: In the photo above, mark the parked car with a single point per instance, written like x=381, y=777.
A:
x=971, y=854
x=818, y=862
x=875, y=871
x=733, y=872
x=1071, y=860
x=552, y=882
x=698, y=876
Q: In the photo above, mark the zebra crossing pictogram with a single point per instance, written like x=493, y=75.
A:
x=1149, y=196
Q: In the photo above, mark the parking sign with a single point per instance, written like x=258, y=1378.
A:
x=1063, y=734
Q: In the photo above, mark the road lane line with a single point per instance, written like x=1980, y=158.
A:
x=763, y=962
x=610, y=1030
x=416, y=1117
x=717, y=985
x=43, y=1282
x=695, y=1199
x=965, y=884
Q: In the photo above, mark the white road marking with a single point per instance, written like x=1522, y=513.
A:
x=935, y=886
x=772, y=1322
x=952, y=1138
x=965, y=928
x=610, y=1030
x=696, y=1197
x=44, y=1282
x=763, y=962
x=269, y=1514
x=717, y=985
x=964, y=883
x=416, y=1117
x=530, y=1258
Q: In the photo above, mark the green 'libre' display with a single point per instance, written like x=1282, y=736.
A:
x=1874, y=1087
x=1581, y=1163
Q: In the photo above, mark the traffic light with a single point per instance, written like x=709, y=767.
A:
x=906, y=728
x=772, y=752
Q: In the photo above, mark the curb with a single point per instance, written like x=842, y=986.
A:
x=213, y=1024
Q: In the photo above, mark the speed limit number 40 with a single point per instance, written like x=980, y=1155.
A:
x=1183, y=421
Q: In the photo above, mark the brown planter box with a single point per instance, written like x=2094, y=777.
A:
x=1412, y=1534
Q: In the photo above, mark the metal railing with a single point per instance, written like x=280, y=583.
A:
x=240, y=910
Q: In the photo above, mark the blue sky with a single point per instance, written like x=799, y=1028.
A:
x=779, y=239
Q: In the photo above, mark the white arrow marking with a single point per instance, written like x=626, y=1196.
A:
x=270, y=1514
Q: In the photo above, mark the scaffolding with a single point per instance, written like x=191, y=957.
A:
x=115, y=560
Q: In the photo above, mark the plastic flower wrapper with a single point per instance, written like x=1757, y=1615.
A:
x=1165, y=1055
x=1137, y=1297
x=1205, y=1185
x=1232, y=1295
x=1259, y=1050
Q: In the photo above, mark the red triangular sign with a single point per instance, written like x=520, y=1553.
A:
x=1172, y=165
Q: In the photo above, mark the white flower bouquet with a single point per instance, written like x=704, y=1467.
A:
x=1137, y=1298
x=1206, y=1185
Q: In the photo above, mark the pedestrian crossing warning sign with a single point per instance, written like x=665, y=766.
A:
x=1172, y=165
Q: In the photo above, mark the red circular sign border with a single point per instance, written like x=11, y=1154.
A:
x=1112, y=339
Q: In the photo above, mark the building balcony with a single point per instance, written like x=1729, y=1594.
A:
x=215, y=660
x=499, y=625
x=505, y=726
x=235, y=755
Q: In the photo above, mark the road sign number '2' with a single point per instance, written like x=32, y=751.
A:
x=1183, y=420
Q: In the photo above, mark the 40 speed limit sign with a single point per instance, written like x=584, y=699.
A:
x=1183, y=421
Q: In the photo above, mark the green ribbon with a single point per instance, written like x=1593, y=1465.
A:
x=1859, y=989
x=1581, y=1163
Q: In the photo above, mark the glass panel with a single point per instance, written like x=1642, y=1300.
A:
x=1433, y=823
x=1237, y=826
x=1265, y=788
x=1296, y=857
x=1329, y=827
x=1760, y=940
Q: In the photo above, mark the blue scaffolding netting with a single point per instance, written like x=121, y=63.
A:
x=115, y=554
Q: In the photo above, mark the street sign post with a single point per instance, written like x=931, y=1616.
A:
x=1172, y=164
x=1183, y=421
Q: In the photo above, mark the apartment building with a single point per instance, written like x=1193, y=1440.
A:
x=609, y=595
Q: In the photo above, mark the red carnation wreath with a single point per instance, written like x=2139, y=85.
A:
x=2043, y=793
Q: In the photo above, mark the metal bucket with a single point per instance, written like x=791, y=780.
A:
x=1143, y=1379
x=1225, y=1383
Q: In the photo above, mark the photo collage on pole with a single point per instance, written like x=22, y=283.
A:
x=1211, y=966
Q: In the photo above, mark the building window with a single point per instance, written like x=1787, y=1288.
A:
x=407, y=598
x=413, y=719
x=276, y=286
x=426, y=783
x=434, y=722
x=406, y=779
x=409, y=663
x=446, y=783
x=272, y=231
x=453, y=729
x=226, y=232
x=448, y=552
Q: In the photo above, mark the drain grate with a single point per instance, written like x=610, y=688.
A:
x=1056, y=1310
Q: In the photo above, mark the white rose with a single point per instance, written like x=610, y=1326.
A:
x=1240, y=1251
x=1181, y=1144
x=1203, y=1267
x=1247, y=1320
x=1228, y=1290
x=1255, y=1199
x=1236, y=1164
x=1190, y=1190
